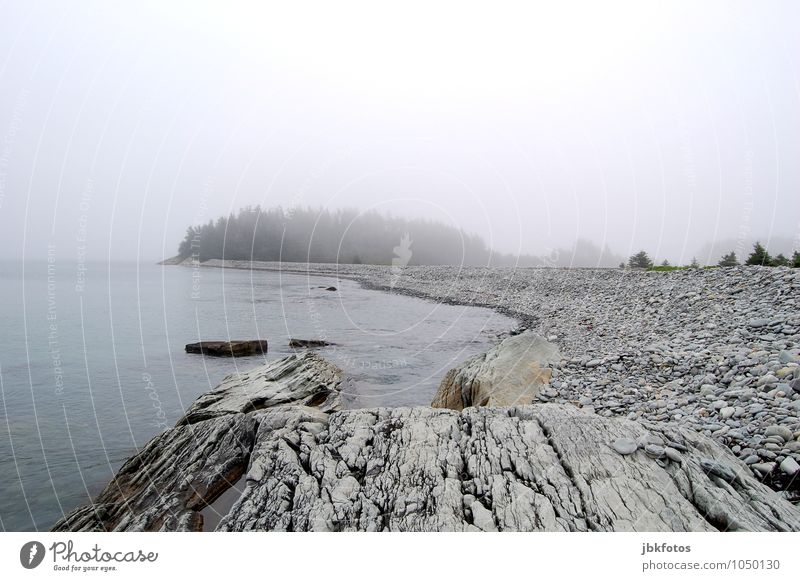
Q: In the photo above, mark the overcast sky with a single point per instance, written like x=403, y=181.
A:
x=639, y=125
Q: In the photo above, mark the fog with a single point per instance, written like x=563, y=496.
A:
x=673, y=128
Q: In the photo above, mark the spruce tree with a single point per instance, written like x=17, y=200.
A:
x=780, y=260
x=796, y=259
x=694, y=263
x=640, y=260
x=759, y=257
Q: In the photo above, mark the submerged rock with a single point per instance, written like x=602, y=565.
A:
x=228, y=348
x=511, y=373
x=308, y=343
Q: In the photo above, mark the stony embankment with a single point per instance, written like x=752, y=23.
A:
x=715, y=350
x=542, y=467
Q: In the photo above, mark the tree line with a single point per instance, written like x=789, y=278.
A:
x=345, y=236
x=349, y=236
x=759, y=257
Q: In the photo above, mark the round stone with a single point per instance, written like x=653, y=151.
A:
x=726, y=412
x=673, y=454
x=781, y=431
x=625, y=446
x=654, y=451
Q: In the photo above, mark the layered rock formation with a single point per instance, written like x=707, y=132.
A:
x=532, y=468
x=543, y=467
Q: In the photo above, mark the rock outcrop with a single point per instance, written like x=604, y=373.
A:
x=228, y=348
x=166, y=485
x=511, y=373
x=303, y=379
x=544, y=467
x=531, y=468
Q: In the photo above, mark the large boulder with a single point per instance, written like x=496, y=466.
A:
x=511, y=373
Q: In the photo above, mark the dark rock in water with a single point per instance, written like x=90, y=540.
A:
x=228, y=348
x=308, y=343
x=330, y=288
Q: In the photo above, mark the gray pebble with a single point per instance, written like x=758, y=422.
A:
x=673, y=454
x=625, y=446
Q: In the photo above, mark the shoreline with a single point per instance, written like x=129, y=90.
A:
x=715, y=350
x=322, y=270
x=273, y=450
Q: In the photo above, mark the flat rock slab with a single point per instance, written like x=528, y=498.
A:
x=511, y=373
x=228, y=348
x=532, y=468
x=308, y=343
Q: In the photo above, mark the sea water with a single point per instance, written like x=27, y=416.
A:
x=92, y=360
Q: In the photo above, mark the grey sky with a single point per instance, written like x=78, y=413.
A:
x=640, y=125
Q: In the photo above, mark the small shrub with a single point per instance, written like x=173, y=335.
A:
x=729, y=260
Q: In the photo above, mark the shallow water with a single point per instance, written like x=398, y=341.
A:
x=92, y=363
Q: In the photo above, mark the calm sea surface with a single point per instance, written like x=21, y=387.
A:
x=92, y=360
